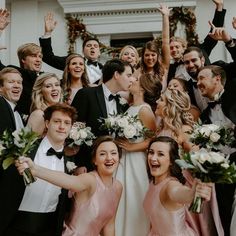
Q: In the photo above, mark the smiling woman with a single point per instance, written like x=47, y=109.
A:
x=46, y=92
x=96, y=194
x=166, y=198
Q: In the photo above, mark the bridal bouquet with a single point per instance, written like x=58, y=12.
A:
x=14, y=145
x=208, y=167
x=212, y=136
x=80, y=134
x=124, y=125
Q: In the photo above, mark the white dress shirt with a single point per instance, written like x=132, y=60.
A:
x=41, y=196
x=18, y=120
x=94, y=73
x=110, y=105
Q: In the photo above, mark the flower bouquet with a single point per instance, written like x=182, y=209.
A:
x=124, y=126
x=14, y=145
x=208, y=167
x=212, y=136
x=80, y=134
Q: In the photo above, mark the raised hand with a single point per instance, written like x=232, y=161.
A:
x=49, y=23
x=219, y=4
x=4, y=18
x=164, y=10
x=219, y=33
x=234, y=22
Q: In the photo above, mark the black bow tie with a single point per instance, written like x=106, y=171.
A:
x=111, y=97
x=90, y=62
x=52, y=152
x=95, y=63
x=214, y=103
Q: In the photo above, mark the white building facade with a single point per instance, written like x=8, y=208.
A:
x=108, y=19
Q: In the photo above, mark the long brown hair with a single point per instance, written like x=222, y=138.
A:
x=175, y=170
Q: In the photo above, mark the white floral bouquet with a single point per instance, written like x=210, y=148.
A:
x=212, y=136
x=81, y=134
x=14, y=145
x=124, y=126
x=208, y=166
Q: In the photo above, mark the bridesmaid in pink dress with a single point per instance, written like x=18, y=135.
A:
x=165, y=200
x=96, y=194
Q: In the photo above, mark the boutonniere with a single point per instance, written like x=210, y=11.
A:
x=123, y=101
x=70, y=166
x=25, y=117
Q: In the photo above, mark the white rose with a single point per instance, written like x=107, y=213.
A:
x=214, y=137
x=74, y=134
x=203, y=156
x=129, y=131
x=225, y=165
x=213, y=127
x=70, y=166
x=205, y=131
x=122, y=101
x=216, y=157
x=83, y=134
x=122, y=122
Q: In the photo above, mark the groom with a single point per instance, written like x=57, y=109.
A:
x=98, y=102
x=38, y=209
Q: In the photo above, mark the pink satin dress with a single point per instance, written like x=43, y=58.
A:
x=89, y=218
x=163, y=221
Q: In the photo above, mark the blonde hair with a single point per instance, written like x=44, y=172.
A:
x=182, y=41
x=134, y=50
x=27, y=49
x=176, y=111
x=5, y=71
x=38, y=100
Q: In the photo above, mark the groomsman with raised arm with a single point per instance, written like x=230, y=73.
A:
x=91, y=51
x=219, y=86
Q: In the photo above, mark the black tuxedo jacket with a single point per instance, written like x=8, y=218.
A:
x=12, y=192
x=90, y=106
x=225, y=192
x=29, y=77
x=7, y=120
x=48, y=55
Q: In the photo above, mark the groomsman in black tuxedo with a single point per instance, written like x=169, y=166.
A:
x=91, y=51
x=93, y=103
x=178, y=46
x=10, y=92
x=38, y=209
x=221, y=110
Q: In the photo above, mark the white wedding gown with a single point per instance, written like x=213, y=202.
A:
x=132, y=172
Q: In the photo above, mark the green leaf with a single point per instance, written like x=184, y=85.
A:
x=7, y=162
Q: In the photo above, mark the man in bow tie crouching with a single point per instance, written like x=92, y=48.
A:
x=39, y=208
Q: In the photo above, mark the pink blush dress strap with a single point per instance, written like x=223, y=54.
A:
x=163, y=221
x=89, y=218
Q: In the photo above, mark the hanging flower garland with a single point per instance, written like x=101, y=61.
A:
x=187, y=17
x=76, y=29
